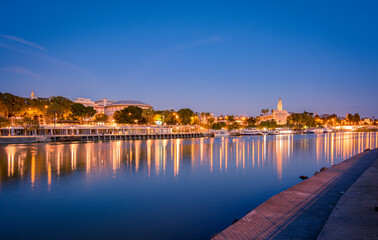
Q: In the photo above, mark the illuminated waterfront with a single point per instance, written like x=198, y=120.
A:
x=160, y=189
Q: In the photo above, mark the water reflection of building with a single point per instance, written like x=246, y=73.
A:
x=43, y=163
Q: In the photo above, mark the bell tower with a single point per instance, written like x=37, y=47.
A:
x=279, y=105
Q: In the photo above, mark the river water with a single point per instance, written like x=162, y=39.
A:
x=155, y=189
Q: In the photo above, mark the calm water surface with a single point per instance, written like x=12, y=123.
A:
x=154, y=189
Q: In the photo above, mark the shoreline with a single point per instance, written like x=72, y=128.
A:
x=108, y=137
x=104, y=137
x=301, y=211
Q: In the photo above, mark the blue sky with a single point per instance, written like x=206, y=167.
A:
x=230, y=57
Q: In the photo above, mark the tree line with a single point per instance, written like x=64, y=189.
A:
x=29, y=113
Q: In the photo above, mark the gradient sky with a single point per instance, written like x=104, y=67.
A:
x=230, y=57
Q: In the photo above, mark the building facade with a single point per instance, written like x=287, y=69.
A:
x=110, y=107
x=279, y=115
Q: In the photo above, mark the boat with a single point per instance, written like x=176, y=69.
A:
x=250, y=132
x=280, y=132
x=221, y=133
x=317, y=130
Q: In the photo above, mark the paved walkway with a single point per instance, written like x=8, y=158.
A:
x=301, y=211
x=354, y=216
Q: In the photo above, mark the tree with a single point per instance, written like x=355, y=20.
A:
x=264, y=111
x=60, y=107
x=101, y=117
x=233, y=126
x=148, y=116
x=299, y=120
x=4, y=122
x=251, y=122
x=270, y=124
x=185, y=115
x=170, y=117
x=28, y=124
x=230, y=119
x=130, y=115
x=79, y=111
x=54, y=110
x=218, y=125
x=3, y=109
x=210, y=120
x=13, y=104
x=90, y=112
x=354, y=119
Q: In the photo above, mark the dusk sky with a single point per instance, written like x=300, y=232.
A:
x=230, y=57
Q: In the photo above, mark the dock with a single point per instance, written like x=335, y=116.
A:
x=64, y=133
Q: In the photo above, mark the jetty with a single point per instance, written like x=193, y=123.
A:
x=65, y=133
x=339, y=203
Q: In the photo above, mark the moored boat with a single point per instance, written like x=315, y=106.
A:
x=221, y=133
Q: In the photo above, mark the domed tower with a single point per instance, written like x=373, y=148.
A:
x=279, y=105
x=33, y=96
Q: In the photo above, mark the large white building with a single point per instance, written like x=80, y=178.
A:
x=279, y=115
x=110, y=107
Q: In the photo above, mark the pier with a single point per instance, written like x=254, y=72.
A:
x=65, y=133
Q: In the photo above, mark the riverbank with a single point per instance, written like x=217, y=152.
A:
x=302, y=211
x=98, y=137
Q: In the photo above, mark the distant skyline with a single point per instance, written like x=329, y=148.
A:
x=211, y=56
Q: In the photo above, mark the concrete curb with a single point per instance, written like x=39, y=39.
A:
x=301, y=211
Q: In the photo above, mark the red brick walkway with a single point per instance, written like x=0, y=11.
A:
x=301, y=211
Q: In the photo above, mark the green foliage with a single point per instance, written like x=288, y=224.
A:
x=101, y=117
x=79, y=111
x=230, y=118
x=185, y=115
x=355, y=119
x=60, y=107
x=270, y=124
x=251, y=122
x=210, y=120
x=170, y=117
x=130, y=115
x=148, y=116
x=299, y=120
x=233, y=126
x=28, y=124
x=218, y=125
x=4, y=122
x=3, y=109
x=12, y=105
x=264, y=111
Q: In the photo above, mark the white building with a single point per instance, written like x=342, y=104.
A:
x=279, y=115
x=110, y=107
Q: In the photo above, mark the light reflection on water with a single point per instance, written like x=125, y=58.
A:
x=240, y=172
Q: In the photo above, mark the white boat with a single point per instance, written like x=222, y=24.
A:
x=285, y=131
x=317, y=130
x=221, y=133
x=250, y=132
x=280, y=132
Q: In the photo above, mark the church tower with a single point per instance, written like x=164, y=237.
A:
x=279, y=105
x=33, y=96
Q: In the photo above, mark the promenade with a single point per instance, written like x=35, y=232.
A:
x=338, y=203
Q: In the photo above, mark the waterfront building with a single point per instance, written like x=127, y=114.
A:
x=279, y=115
x=110, y=107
